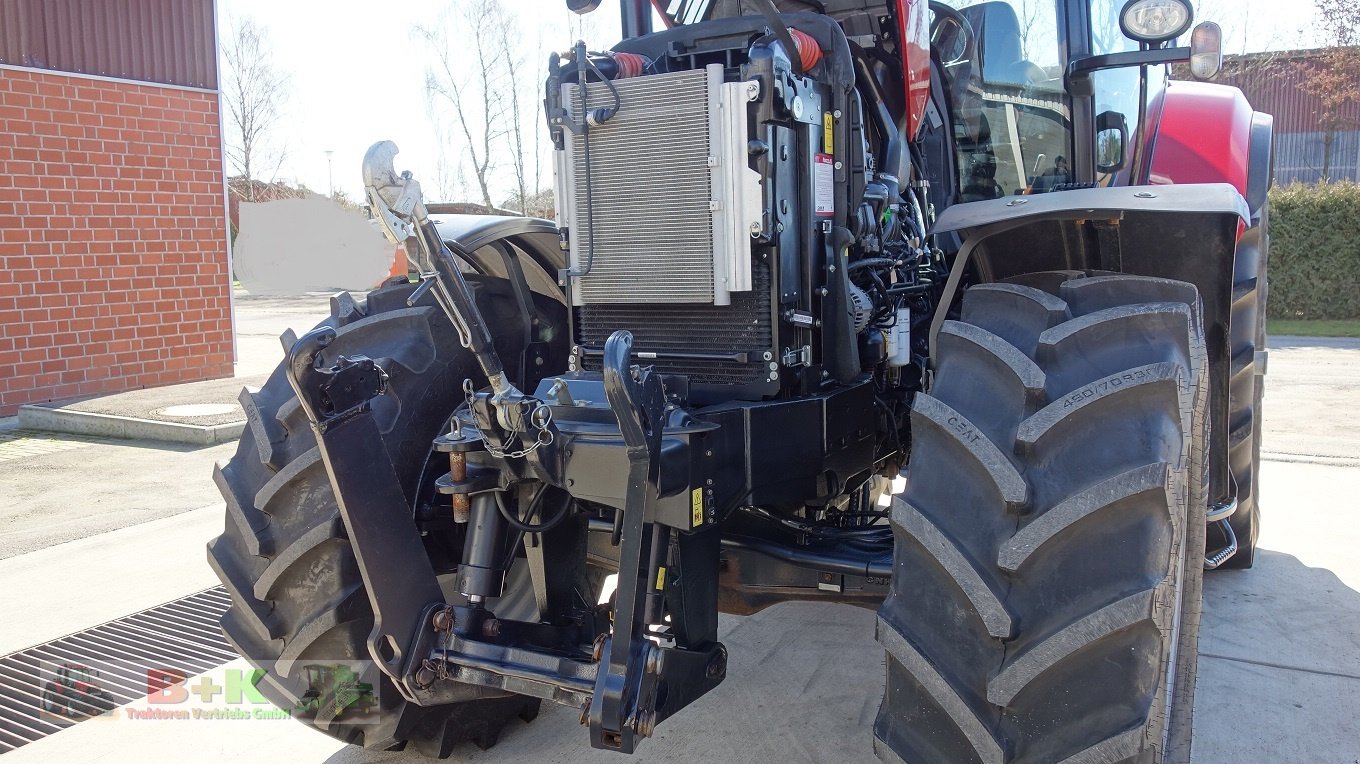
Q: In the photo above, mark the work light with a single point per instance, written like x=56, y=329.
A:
x=1155, y=21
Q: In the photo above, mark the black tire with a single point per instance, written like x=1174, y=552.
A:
x=1245, y=389
x=1046, y=585
x=54, y=702
x=297, y=596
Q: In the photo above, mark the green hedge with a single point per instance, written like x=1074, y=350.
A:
x=1315, y=251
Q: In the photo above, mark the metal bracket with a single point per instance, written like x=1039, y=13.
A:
x=336, y=400
x=629, y=698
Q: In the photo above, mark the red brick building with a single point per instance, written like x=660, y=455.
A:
x=114, y=270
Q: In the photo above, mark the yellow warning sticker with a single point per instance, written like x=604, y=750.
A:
x=660, y=577
x=828, y=133
x=696, y=499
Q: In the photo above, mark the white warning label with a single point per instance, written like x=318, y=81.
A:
x=823, y=186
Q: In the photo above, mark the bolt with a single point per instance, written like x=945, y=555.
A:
x=836, y=114
x=767, y=355
x=839, y=165
x=1017, y=202
x=1145, y=195
x=755, y=227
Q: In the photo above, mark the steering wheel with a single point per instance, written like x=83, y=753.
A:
x=950, y=31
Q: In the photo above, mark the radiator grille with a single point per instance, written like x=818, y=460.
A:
x=742, y=327
x=651, y=190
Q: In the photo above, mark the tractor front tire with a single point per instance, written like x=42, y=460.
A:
x=1046, y=591
x=297, y=595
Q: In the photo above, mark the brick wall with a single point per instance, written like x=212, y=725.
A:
x=113, y=262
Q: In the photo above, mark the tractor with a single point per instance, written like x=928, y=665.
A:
x=951, y=310
x=74, y=691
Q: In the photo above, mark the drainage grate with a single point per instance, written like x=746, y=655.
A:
x=122, y=656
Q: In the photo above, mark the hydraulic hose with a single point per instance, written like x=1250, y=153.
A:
x=892, y=137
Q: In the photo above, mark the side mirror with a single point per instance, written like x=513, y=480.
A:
x=1112, y=137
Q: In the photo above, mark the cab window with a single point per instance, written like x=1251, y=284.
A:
x=1119, y=97
x=1012, y=120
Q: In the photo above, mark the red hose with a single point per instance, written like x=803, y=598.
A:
x=809, y=53
x=630, y=64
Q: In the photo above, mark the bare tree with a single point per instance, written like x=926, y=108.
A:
x=254, y=91
x=1029, y=16
x=474, y=90
x=514, y=65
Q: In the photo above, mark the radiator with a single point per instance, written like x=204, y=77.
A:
x=671, y=203
x=711, y=344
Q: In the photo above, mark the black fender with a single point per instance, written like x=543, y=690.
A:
x=1187, y=232
x=482, y=241
x=524, y=253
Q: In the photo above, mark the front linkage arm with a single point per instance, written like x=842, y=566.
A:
x=642, y=683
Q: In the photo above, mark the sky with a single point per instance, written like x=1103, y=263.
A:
x=357, y=74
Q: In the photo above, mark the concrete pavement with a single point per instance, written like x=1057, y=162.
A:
x=1279, y=675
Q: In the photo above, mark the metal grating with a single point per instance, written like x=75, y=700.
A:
x=180, y=636
x=651, y=188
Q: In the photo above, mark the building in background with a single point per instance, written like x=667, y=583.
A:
x=1309, y=137
x=114, y=270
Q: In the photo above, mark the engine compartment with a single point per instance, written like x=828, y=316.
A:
x=809, y=266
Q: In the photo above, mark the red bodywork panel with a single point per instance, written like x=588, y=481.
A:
x=913, y=34
x=1202, y=134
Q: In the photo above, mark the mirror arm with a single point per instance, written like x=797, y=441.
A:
x=1079, y=70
